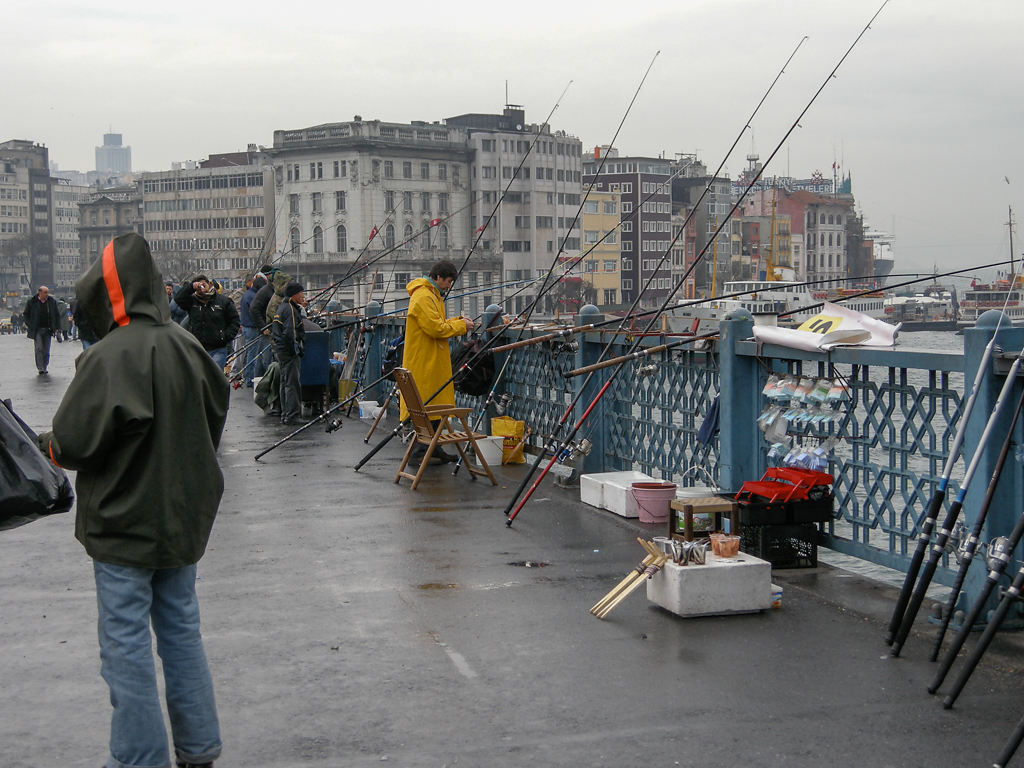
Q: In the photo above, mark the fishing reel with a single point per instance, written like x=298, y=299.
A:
x=647, y=370
x=999, y=551
x=333, y=425
x=572, y=451
x=501, y=403
x=560, y=347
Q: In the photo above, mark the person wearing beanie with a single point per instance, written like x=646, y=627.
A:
x=289, y=346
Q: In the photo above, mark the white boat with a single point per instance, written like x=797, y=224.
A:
x=771, y=302
x=981, y=297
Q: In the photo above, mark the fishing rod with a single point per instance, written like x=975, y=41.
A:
x=1010, y=596
x=512, y=513
x=942, y=535
x=515, y=175
x=335, y=425
x=1011, y=746
x=545, y=286
x=637, y=354
x=999, y=558
x=631, y=311
x=939, y=494
x=971, y=543
x=355, y=268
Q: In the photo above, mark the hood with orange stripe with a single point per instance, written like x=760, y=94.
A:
x=122, y=286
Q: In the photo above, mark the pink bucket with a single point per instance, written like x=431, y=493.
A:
x=653, y=500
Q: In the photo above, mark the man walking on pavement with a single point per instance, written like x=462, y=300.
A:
x=145, y=506
x=289, y=347
x=212, y=317
x=427, y=331
x=42, y=319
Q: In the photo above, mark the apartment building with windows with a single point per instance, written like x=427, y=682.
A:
x=645, y=206
x=209, y=217
x=104, y=215
x=26, y=222
x=374, y=203
x=538, y=220
x=67, y=254
x=600, y=265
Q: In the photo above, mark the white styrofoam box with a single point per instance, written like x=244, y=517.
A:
x=741, y=584
x=592, y=486
x=491, y=449
x=618, y=493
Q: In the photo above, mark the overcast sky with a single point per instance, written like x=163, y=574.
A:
x=926, y=112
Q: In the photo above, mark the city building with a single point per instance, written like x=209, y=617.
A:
x=209, y=217
x=113, y=159
x=67, y=253
x=710, y=200
x=537, y=222
x=104, y=215
x=26, y=223
x=599, y=266
x=644, y=186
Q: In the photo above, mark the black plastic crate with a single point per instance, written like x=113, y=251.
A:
x=753, y=512
x=784, y=546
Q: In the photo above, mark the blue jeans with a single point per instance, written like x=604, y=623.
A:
x=129, y=599
x=220, y=356
x=250, y=355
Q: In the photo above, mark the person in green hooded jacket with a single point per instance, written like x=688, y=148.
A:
x=141, y=422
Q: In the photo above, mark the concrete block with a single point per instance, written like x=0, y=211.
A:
x=592, y=486
x=741, y=584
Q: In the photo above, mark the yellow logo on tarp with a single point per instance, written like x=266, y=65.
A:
x=821, y=324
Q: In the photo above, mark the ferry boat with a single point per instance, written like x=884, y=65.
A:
x=775, y=302
x=981, y=297
x=929, y=311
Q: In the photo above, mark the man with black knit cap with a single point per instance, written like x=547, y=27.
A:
x=289, y=345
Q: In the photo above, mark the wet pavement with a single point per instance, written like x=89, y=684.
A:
x=350, y=621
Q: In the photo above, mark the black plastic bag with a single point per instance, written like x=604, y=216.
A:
x=30, y=485
x=478, y=378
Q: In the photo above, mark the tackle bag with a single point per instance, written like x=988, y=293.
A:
x=477, y=379
x=30, y=485
x=392, y=357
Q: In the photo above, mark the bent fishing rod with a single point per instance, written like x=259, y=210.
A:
x=641, y=353
x=335, y=424
x=939, y=494
x=971, y=542
x=943, y=533
x=631, y=311
x=547, y=284
x=354, y=269
x=513, y=508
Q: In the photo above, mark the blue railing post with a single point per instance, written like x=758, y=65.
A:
x=374, y=352
x=741, y=449
x=1004, y=508
x=596, y=427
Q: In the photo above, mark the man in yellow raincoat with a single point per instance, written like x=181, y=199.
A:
x=427, y=331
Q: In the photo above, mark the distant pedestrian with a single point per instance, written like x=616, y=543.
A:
x=212, y=317
x=289, y=347
x=251, y=326
x=140, y=423
x=42, y=319
x=86, y=334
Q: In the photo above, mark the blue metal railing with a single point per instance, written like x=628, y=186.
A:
x=894, y=432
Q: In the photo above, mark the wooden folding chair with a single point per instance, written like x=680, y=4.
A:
x=425, y=433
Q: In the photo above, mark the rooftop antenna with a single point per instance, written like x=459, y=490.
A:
x=506, y=91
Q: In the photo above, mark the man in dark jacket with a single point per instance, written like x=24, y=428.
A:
x=212, y=317
x=86, y=334
x=42, y=319
x=289, y=346
x=140, y=422
x=251, y=327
